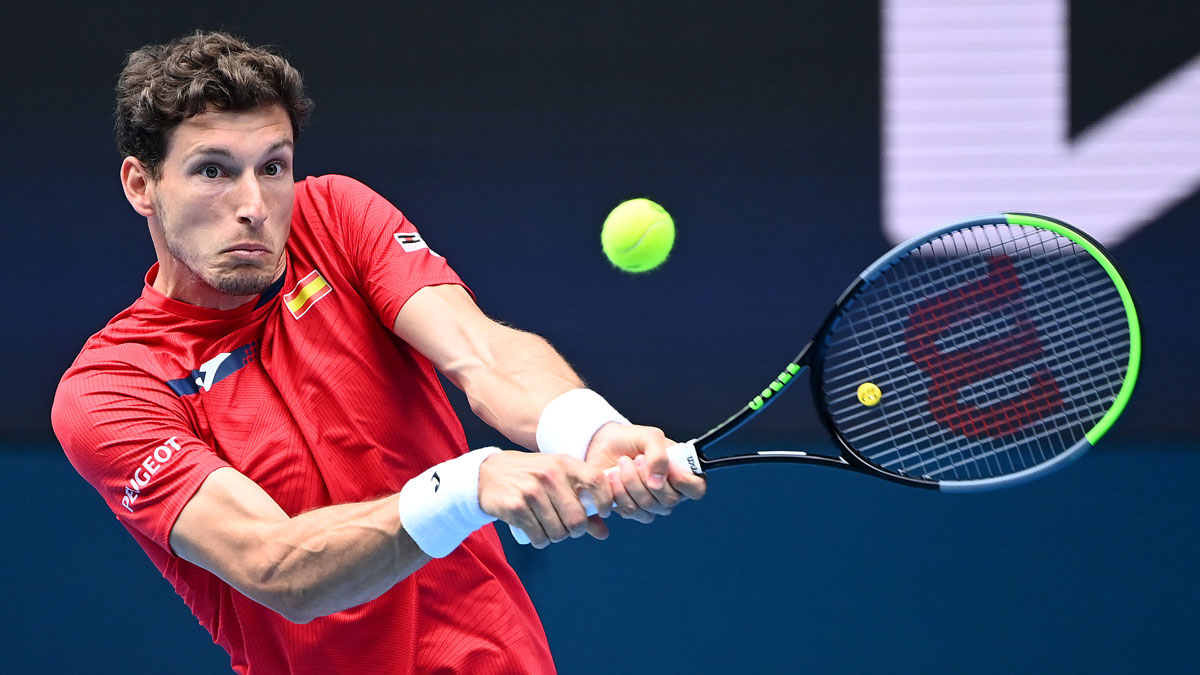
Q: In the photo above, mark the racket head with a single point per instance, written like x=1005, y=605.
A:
x=980, y=355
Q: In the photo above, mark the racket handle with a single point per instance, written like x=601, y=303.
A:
x=683, y=454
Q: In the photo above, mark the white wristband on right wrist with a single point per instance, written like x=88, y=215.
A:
x=439, y=507
x=568, y=423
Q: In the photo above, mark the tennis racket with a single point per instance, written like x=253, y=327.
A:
x=979, y=355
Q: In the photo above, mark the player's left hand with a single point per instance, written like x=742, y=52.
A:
x=646, y=484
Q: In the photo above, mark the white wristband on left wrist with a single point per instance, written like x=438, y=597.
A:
x=568, y=423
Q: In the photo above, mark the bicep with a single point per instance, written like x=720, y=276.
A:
x=223, y=525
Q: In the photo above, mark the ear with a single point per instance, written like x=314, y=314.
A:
x=138, y=185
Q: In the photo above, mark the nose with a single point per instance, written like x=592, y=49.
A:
x=251, y=207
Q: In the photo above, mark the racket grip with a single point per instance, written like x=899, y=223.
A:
x=683, y=454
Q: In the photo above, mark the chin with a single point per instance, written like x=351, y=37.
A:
x=242, y=284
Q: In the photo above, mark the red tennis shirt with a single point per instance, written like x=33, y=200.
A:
x=309, y=393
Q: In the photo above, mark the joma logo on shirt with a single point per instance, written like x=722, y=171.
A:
x=214, y=370
x=146, y=470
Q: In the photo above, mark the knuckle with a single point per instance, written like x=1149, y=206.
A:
x=648, y=498
x=594, y=475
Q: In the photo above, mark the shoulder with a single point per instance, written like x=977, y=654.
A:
x=105, y=383
x=115, y=343
x=106, y=366
x=129, y=356
x=345, y=210
x=330, y=189
x=140, y=335
x=331, y=203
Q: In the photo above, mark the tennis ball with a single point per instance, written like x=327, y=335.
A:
x=637, y=236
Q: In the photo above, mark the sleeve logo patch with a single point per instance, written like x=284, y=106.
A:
x=145, y=471
x=307, y=292
x=412, y=241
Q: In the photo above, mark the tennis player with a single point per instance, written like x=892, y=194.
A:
x=266, y=419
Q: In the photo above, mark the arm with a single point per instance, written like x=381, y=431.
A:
x=333, y=558
x=510, y=376
x=314, y=564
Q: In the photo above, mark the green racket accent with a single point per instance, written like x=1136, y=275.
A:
x=777, y=385
x=1135, y=333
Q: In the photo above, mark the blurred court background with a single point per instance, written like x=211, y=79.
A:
x=792, y=142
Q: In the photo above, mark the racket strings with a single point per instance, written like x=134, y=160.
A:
x=1036, y=452
x=1113, y=309
x=1001, y=384
x=957, y=333
x=1038, y=449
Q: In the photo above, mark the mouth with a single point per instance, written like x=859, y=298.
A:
x=247, y=249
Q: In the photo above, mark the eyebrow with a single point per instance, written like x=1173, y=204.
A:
x=211, y=150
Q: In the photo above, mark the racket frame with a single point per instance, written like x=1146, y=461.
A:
x=812, y=358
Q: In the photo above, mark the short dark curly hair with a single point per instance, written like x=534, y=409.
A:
x=163, y=85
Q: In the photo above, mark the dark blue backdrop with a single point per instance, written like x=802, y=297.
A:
x=505, y=132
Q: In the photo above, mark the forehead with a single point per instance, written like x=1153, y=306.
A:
x=236, y=131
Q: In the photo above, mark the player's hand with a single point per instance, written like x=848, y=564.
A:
x=540, y=494
x=645, y=483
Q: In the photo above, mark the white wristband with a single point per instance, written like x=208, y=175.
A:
x=569, y=422
x=440, y=506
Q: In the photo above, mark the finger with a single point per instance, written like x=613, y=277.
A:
x=597, y=527
x=633, y=477
x=560, y=485
x=541, y=504
x=529, y=524
x=595, y=485
x=687, y=483
x=657, y=506
x=656, y=465
x=624, y=502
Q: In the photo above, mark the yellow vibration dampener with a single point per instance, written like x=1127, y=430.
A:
x=868, y=393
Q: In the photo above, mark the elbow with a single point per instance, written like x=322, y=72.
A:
x=298, y=617
x=270, y=587
x=294, y=606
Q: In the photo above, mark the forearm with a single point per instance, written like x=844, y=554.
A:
x=508, y=376
x=511, y=383
x=334, y=558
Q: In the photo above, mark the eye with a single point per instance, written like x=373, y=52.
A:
x=210, y=171
x=273, y=169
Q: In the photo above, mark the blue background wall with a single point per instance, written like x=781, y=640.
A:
x=506, y=132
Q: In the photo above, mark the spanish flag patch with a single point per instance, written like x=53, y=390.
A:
x=307, y=292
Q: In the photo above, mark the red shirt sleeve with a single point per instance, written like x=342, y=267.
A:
x=389, y=260
x=127, y=434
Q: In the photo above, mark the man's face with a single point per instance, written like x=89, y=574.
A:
x=223, y=204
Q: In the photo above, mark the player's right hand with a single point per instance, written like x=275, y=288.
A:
x=539, y=493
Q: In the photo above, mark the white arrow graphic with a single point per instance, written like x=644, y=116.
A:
x=976, y=120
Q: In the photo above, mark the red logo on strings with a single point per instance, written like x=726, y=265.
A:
x=998, y=294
